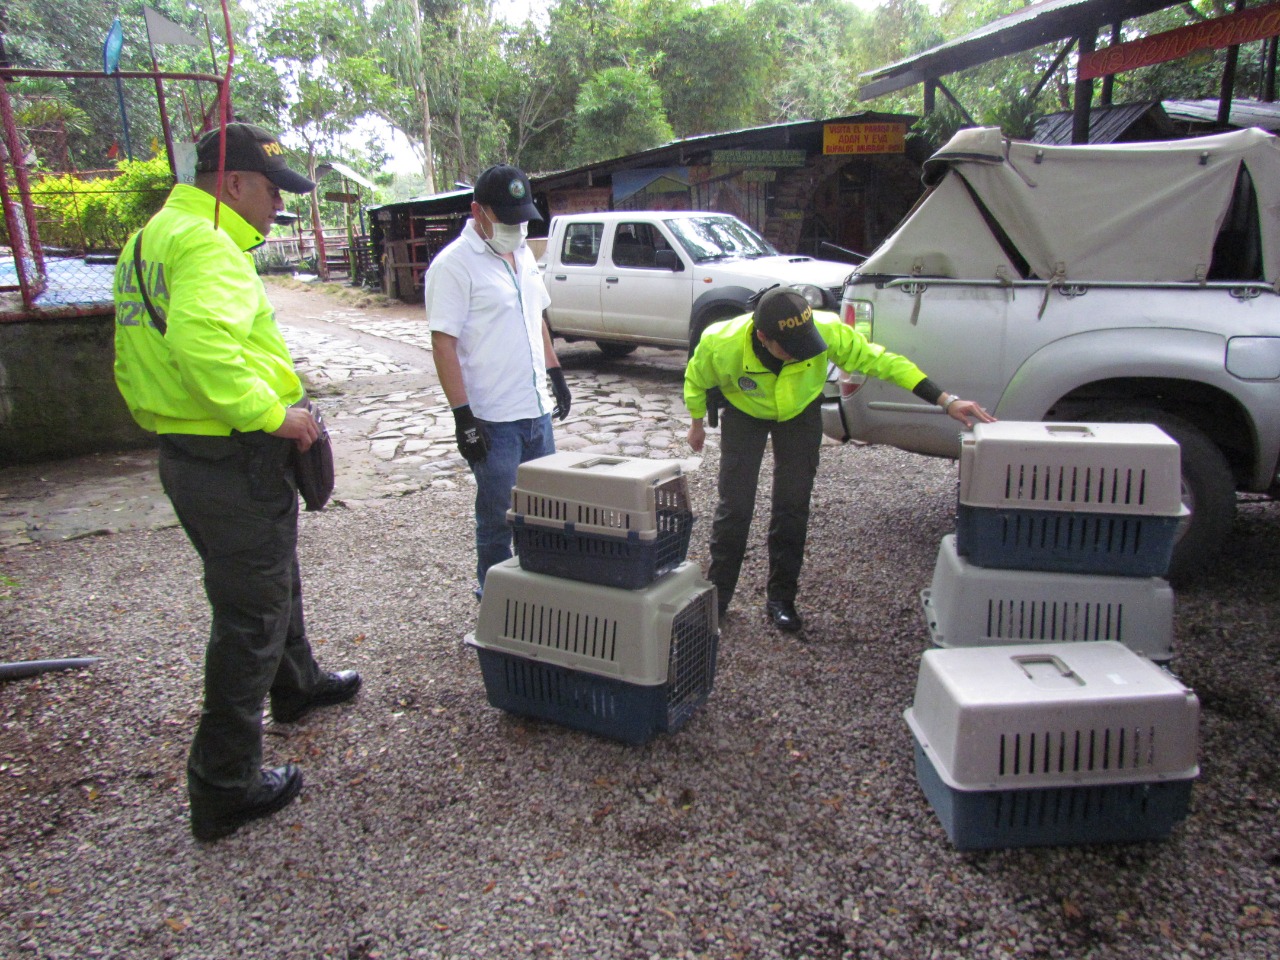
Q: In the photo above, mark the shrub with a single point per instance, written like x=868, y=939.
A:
x=98, y=213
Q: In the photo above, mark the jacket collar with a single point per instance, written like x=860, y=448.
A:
x=193, y=200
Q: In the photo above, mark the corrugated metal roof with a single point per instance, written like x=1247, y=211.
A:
x=1107, y=124
x=1032, y=26
x=1244, y=113
x=676, y=149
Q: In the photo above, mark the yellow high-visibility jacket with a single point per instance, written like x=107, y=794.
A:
x=222, y=364
x=726, y=359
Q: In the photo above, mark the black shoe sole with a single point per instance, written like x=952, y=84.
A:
x=216, y=829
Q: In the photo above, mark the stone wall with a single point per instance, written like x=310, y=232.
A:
x=57, y=395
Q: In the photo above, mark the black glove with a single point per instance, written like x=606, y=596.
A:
x=472, y=443
x=715, y=399
x=561, y=391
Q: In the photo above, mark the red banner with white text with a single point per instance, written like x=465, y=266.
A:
x=1229, y=31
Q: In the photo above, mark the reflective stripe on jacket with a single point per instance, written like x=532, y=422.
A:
x=222, y=364
x=726, y=359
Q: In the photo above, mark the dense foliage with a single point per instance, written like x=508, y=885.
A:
x=582, y=81
x=99, y=213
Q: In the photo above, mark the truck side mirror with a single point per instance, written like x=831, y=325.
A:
x=667, y=260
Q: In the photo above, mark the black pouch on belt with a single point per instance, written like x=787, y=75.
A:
x=313, y=470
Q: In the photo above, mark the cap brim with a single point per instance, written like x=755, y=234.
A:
x=804, y=345
x=517, y=213
x=286, y=179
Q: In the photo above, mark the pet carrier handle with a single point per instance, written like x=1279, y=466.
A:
x=1047, y=670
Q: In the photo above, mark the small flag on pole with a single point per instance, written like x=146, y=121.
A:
x=161, y=29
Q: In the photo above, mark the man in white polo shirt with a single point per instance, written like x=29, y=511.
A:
x=493, y=353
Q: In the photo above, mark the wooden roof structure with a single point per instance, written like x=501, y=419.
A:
x=1077, y=22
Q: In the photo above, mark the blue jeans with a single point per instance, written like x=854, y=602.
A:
x=510, y=444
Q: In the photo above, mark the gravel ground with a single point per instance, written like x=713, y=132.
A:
x=783, y=821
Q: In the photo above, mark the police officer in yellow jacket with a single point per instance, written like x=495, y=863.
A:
x=770, y=366
x=204, y=366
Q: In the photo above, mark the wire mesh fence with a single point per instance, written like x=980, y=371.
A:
x=61, y=232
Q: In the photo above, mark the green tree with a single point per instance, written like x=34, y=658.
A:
x=619, y=111
x=403, y=36
x=68, y=35
x=813, y=43
x=710, y=62
x=582, y=37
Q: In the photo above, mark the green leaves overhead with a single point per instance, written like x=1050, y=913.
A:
x=584, y=80
x=619, y=111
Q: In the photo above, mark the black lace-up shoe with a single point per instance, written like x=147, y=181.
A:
x=333, y=688
x=274, y=792
x=783, y=615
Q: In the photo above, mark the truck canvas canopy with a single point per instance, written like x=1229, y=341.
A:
x=1206, y=208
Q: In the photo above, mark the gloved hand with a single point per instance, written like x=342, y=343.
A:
x=472, y=443
x=715, y=399
x=561, y=391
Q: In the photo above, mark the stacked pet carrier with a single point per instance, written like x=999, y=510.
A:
x=599, y=623
x=1044, y=720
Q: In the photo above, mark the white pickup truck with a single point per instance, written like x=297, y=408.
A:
x=658, y=278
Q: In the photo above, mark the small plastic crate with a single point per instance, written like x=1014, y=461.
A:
x=630, y=712
x=599, y=494
x=615, y=521
x=1127, y=545
x=1106, y=468
x=1052, y=743
x=625, y=664
x=972, y=606
x=1053, y=715
x=630, y=562
x=1112, y=813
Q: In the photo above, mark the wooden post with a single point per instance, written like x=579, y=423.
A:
x=1228, y=90
x=1085, y=43
x=1109, y=81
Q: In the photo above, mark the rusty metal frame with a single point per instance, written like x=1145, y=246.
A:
x=19, y=211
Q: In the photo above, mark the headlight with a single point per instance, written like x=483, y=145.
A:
x=812, y=295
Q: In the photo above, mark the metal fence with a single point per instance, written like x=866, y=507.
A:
x=59, y=233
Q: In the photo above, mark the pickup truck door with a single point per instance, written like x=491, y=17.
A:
x=639, y=299
x=573, y=279
x=957, y=333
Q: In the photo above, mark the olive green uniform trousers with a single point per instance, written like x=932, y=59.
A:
x=236, y=499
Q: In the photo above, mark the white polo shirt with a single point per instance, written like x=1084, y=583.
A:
x=471, y=293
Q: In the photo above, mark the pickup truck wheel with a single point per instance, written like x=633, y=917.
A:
x=615, y=350
x=1208, y=488
x=706, y=320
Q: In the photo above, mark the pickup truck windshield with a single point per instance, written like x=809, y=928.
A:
x=718, y=238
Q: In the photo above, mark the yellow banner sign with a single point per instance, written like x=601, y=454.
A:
x=863, y=137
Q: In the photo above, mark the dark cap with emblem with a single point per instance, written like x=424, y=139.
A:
x=783, y=315
x=505, y=190
x=253, y=149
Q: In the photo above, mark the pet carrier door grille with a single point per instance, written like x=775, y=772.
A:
x=1036, y=620
x=692, y=664
x=1063, y=484
x=1076, y=751
x=555, y=628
